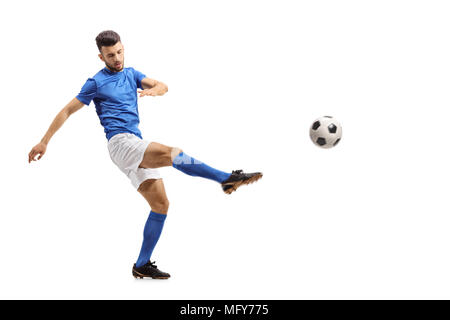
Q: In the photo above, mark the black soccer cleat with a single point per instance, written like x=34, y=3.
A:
x=149, y=270
x=239, y=178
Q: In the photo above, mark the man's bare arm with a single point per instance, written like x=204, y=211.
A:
x=59, y=120
x=152, y=88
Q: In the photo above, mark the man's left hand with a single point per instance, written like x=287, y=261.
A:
x=148, y=92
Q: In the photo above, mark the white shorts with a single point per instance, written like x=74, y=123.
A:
x=127, y=151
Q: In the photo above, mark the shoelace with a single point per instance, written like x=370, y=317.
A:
x=236, y=172
x=152, y=264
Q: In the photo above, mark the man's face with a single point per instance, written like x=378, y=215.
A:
x=113, y=57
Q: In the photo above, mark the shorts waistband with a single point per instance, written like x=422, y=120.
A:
x=115, y=134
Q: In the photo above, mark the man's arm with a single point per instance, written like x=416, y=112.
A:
x=152, y=88
x=59, y=120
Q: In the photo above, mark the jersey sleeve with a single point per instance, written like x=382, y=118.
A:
x=138, y=76
x=88, y=92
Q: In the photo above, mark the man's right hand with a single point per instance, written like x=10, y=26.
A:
x=38, y=149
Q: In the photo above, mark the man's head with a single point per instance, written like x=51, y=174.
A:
x=111, y=50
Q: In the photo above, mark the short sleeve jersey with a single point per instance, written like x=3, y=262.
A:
x=115, y=98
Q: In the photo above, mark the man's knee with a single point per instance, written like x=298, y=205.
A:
x=157, y=203
x=160, y=206
x=174, y=152
x=153, y=191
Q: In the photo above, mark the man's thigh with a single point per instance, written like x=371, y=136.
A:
x=158, y=155
x=154, y=192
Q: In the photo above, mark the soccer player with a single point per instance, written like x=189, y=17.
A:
x=114, y=92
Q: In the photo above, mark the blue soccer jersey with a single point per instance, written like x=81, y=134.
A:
x=115, y=98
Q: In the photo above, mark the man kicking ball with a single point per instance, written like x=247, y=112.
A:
x=114, y=92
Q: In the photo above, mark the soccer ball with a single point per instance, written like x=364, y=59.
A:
x=325, y=132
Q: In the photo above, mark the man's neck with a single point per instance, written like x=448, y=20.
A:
x=112, y=70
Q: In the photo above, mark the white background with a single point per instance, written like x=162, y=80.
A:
x=367, y=219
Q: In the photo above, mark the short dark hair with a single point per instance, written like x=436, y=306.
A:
x=107, y=38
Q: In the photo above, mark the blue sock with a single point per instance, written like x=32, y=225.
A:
x=196, y=168
x=152, y=231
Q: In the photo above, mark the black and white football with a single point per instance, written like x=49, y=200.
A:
x=325, y=132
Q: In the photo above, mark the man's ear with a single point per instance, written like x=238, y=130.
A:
x=100, y=56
